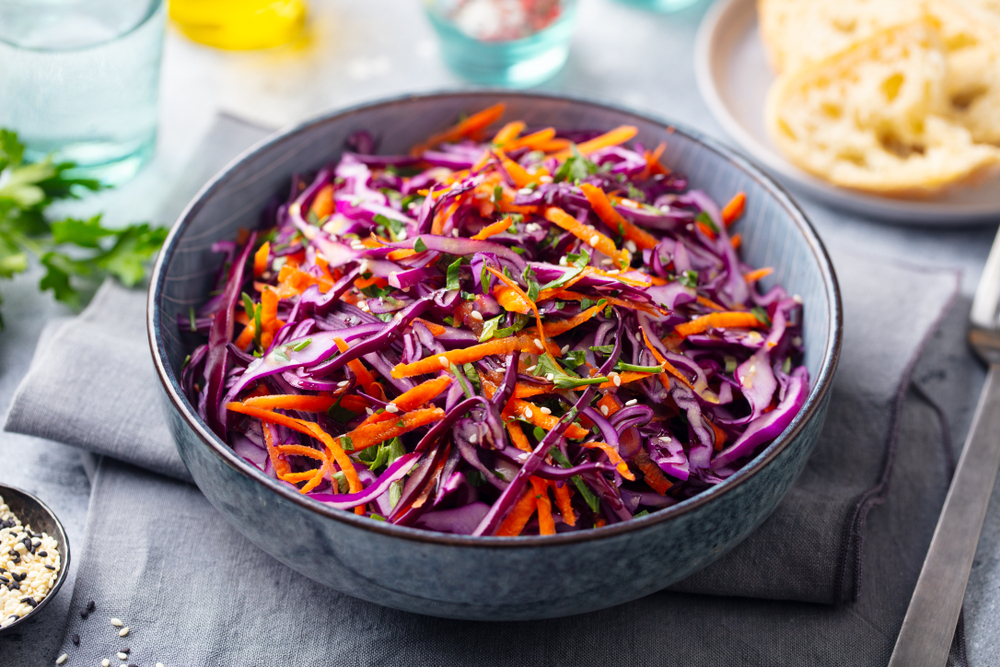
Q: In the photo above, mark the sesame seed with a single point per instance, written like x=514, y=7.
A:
x=797, y=299
x=122, y=656
x=629, y=404
x=76, y=640
x=91, y=606
x=476, y=315
x=443, y=360
x=454, y=232
x=61, y=659
x=391, y=408
x=369, y=411
x=614, y=272
x=538, y=344
x=797, y=341
x=117, y=622
x=595, y=239
x=631, y=246
x=524, y=191
x=753, y=368
x=159, y=664
x=564, y=350
x=550, y=377
x=531, y=369
x=544, y=179
x=473, y=439
x=402, y=235
x=630, y=203
x=562, y=261
x=545, y=411
x=607, y=261
x=689, y=227
x=363, y=266
x=123, y=632
x=616, y=379
x=343, y=383
x=528, y=413
x=105, y=663
x=604, y=410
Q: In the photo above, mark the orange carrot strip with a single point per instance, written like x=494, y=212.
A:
x=654, y=477
x=561, y=327
x=613, y=456
x=412, y=399
x=519, y=515
x=734, y=209
x=364, y=376
x=587, y=234
x=653, y=165
x=366, y=435
x=533, y=140
x=619, y=135
x=613, y=219
x=442, y=216
x=300, y=402
x=554, y=146
x=534, y=416
x=610, y=402
x=517, y=290
x=546, y=525
x=299, y=476
x=717, y=320
x=510, y=300
x=705, y=301
x=260, y=259
x=402, y=253
x=279, y=464
x=754, y=276
x=245, y=337
x=576, y=296
x=529, y=390
x=508, y=133
x=660, y=359
x=720, y=436
x=517, y=436
x=564, y=503
x=300, y=450
x=458, y=357
x=308, y=428
x=517, y=173
x=474, y=123
x=736, y=239
x=435, y=329
x=706, y=230
x=626, y=378
x=492, y=230
x=323, y=205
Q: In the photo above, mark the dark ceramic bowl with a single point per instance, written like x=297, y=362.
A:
x=490, y=578
x=32, y=511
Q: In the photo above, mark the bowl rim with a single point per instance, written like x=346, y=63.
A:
x=64, y=555
x=814, y=401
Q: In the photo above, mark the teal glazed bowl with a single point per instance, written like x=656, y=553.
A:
x=490, y=578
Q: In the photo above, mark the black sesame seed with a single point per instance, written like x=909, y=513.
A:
x=43, y=554
x=76, y=640
x=22, y=576
x=49, y=567
x=30, y=601
x=84, y=615
x=4, y=581
x=133, y=666
x=14, y=587
x=126, y=650
x=91, y=606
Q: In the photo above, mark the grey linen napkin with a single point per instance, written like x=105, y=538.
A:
x=158, y=555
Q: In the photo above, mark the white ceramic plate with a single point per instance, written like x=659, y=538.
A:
x=734, y=76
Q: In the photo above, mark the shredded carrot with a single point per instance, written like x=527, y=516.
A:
x=705, y=301
x=654, y=477
x=624, y=303
x=465, y=128
x=534, y=416
x=625, y=378
x=532, y=141
x=613, y=456
x=517, y=436
x=736, y=239
x=554, y=146
x=754, y=276
x=653, y=165
x=463, y=356
x=323, y=205
x=300, y=450
x=494, y=229
x=260, y=259
x=308, y=428
x=661, y=360
x=734, y=209
x=529, y=390
x=614, y=137
x=511, y=301
x=517, y=290
x=706, y=230
x=300, y=402
x=546, y=525
x=508, y=133
x=613, y=219
x=587, y=234
x=364, y=376
x=610, y=402
x=412, y=399
x=720, y=436
x=564, y=501
x=435, y=329
x=366, y=435
x=443, y=216
x=517, y=173
x=279, y=464
x=732, y=319
x=561, y=327
x=402, y=253
x=518, y=516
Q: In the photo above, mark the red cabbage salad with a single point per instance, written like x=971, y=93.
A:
x=517, y=332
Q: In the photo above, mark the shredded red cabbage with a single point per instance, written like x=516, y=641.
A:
x=389, y=358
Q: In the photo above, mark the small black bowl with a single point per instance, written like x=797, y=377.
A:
x=32, y=511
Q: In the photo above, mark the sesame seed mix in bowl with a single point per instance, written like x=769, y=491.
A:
x=29, y=566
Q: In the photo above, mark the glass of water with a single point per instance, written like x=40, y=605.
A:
x=516, y=43
x=79, y=78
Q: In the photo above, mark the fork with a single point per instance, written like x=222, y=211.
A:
x=929, y=626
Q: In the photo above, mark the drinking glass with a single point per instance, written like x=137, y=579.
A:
x=515, y=43
x=664, y=6
x=79, y=78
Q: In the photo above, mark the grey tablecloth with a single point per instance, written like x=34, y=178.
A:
x=158, y=556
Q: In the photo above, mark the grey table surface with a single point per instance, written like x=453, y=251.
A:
x=356, y=51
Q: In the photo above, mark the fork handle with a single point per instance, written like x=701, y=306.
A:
x=929, y=626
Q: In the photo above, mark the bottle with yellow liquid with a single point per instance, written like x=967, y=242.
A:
x=239, y=24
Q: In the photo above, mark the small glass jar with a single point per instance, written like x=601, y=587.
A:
x=513, y=43
x=663, y=6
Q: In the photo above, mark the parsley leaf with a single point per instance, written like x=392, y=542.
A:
x=689, y=279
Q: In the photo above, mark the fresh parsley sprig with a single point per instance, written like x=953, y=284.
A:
x=71, y=251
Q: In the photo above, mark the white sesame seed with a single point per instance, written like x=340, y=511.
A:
x=402, y=235
x=160, y=664
x=538, y=344
x=363, y=266
x=524, y=191
x=564, y=350
x=454, y=232
x=631, y=246
x=476, y=315
x=550, y=377
x=117, y=622
x=20, y=548
x=689, y=227
x=630, y=203
x=562, y=261
x=369, y=411
x=528, y=414
x=797, y=341
x=607, y=261
x=473, y=439
x=797, y=299
x=544, y=179
x=617, y=379
x=532, y=227
x=122, y=656
x=605, y=410
x=531, y=369
x=105, y=663
x=123, y=632
x=545, y=411
x=343, y=383
x=614, y=272
x=61, y=659
x=391, y=408
x=629, y=404
x=753, y=368
x=443, y=360
x=595, y=239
